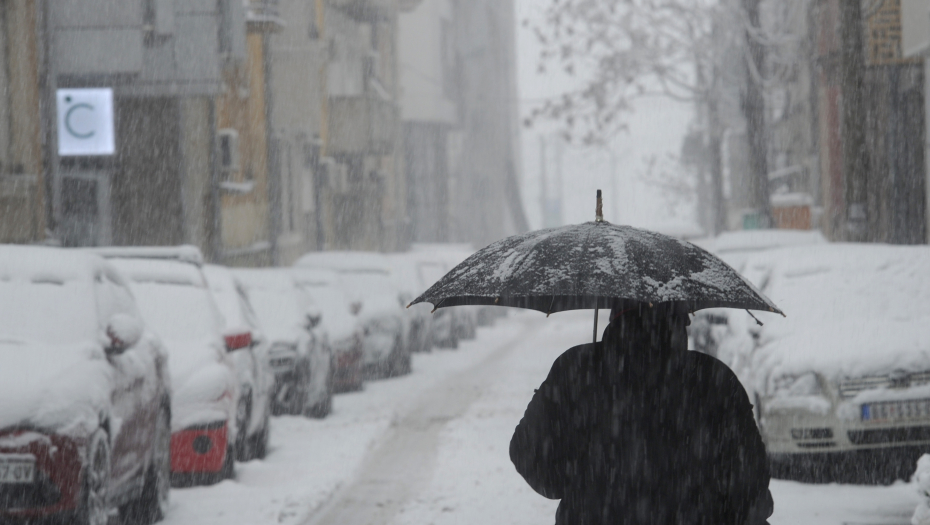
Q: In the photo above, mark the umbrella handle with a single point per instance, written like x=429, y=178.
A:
x=595, y=324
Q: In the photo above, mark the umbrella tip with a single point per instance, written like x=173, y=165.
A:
x=599, y=210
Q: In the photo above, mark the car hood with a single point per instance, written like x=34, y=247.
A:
x=64, y=388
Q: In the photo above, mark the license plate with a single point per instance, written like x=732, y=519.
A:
x=896, y=410
x=17, y=468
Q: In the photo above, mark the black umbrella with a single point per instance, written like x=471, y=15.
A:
x=594, y=265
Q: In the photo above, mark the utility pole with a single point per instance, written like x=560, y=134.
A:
x=855, y=155
x=754, y=110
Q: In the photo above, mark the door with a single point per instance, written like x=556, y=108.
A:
x=135, y=394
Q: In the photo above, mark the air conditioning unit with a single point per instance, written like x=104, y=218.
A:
x=227, y=149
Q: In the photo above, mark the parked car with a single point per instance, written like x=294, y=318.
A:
x=340, y=323
x=174, y=300
x=256, y=379
x=299, y=351
x=406, y=275
x=842, y=384
x=366, y=278
x=445, y=320
x=85, y=405
x=440, y=258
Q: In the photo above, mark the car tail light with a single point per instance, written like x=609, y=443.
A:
x=238, y=341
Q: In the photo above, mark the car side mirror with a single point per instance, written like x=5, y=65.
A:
x=123, y=331
x=313, y=320
x=355, y=307
x=237, y=340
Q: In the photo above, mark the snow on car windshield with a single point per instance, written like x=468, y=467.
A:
x=277, y=311
x=54, y=311
x=177, y=311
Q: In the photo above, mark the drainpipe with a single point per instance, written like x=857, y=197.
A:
x=273, y=156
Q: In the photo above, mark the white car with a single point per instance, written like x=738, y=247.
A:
x=174, y=300
x=366, y=278
x=256, y=379
x=299, y=351
x=844, y=379
x=340, y=323
x=406, y=274
x=436, y=260
x=85, y=406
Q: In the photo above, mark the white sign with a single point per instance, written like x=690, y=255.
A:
x=85, y=122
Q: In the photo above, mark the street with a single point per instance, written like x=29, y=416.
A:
x=432, y=448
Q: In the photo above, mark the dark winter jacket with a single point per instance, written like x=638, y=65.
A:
x=629, y=431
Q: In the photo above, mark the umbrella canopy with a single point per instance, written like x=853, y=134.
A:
x=594, y=265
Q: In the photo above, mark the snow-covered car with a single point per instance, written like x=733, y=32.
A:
x=844, y=379
x=256, y=379
x=175, y=301
x=299, y=351
x=342, y=326
x=366, y=278
x=406, y=275
x=437, y=259
x=85, y=415
x=445, y=320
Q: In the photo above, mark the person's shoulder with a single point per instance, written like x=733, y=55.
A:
x=710, y=368
x=573, y=357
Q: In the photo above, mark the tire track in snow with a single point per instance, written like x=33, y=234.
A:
x=403, y=463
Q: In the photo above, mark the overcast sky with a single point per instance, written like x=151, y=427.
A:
x=656, y=128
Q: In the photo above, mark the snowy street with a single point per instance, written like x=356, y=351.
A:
x=432, y=448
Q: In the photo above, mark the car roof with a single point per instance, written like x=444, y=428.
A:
x=160, y=271
x=183, y=253
x=346, y=261
x=52, y=264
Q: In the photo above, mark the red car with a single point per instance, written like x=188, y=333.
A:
x=175, y=301
x=84, y=395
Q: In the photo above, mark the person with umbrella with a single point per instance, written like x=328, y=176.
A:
x=634, y=429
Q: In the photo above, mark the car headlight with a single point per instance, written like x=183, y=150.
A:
x=797, y=385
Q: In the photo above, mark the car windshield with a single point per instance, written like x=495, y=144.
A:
x=177, y=311
x=47, y=311
x=278, y=312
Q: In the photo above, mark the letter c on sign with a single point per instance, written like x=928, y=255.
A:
x=71, y=130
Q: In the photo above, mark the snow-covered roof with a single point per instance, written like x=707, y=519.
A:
x=852, y=309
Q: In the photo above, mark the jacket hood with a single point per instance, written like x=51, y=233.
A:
x=62, y=388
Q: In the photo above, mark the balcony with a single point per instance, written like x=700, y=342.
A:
x=371, y=10
x=361, y=125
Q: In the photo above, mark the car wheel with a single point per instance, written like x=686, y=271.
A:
x=243, y=416
x=95, y=503
x=259, y=442
x=152, y=505
x=229, y=464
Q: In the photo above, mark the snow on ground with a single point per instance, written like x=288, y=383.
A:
x=317, y=472
x=310, y=459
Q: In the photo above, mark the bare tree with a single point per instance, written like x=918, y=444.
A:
x=621, y=50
